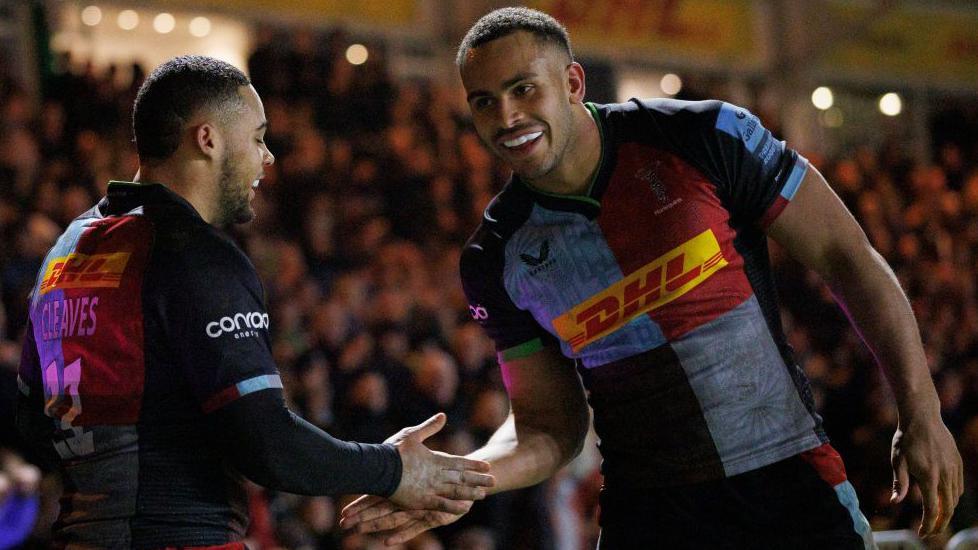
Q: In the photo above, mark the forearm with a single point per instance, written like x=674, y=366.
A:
x=277, y=449
x=870, y=294
x=522, y=455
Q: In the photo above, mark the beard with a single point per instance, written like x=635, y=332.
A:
x=233, y=201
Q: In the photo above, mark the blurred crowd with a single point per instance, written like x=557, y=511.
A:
x=357, y=238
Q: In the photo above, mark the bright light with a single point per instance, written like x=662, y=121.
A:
x=822, y=98
x=164, y=23
x=128, y=20
x=671, y=84
x=891, y=104
x=91, y=16
x=356, y=54
x=200, y=26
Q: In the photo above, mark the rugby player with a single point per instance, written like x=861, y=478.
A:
x=147, y=375
x=630, y=247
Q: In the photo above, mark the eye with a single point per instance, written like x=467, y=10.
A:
x=481, y=103
x=522, y=89
x=261, y=140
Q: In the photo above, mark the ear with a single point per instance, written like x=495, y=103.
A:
x=575, y=82
x=208, y=140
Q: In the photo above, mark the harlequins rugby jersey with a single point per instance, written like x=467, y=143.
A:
x=143, y=319
x=658, y=284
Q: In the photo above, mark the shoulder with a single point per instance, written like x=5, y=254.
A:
x=674, y=113
x=192, y=251
x=506, y=213
x=660, y=108
x=664, y=121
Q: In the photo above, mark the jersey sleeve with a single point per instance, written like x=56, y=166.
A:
x=756, y=174
x=515, y=332
x=216, y=319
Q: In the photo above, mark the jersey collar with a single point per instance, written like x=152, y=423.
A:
x=124, y=196
x=588, y=204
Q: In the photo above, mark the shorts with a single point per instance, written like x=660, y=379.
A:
x=803, y=502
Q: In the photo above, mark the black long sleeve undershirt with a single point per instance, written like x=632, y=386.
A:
x=273, y=447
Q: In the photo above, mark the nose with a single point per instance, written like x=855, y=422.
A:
x=268, y=158
x=510, y=112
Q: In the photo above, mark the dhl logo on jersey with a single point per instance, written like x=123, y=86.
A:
x=85, y=271
x=654, y=285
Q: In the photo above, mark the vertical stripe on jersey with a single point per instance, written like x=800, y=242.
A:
x=749, y=401
x=650, y=422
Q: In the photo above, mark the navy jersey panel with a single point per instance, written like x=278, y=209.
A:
x=208, y=300
x=657, y=284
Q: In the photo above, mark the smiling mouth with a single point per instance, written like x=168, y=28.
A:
x=525, y=138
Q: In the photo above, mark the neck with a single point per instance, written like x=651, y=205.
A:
x=579, y=161
x=184, y=179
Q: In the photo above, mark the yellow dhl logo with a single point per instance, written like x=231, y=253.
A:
x=654, y=285
x=85, y=271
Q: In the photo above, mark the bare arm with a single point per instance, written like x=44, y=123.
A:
x=546, y=425
x=818, y=230
x=545, y=430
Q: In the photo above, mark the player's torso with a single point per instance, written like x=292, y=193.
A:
x=134, y=452
x=649, y=293
x=653, y=262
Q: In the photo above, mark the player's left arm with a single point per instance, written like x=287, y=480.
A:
x=818, y=230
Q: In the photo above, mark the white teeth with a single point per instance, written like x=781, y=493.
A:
x=522, y=139
x=254, y=184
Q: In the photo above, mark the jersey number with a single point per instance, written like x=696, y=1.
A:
x=64, y=404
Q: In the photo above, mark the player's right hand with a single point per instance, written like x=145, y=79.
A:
x=925, y=452
x=436, y=481
x=378, y=516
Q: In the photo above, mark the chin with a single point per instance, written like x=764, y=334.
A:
x=245, y=216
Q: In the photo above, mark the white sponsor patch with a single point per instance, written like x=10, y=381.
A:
x=241, y=325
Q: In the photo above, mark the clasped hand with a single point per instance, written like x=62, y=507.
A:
x=432, y=480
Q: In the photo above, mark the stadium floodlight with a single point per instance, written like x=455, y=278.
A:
x=91, y=15
x=164, y=23
x=671, y=84
x=128, y=20
x=357, y=54
x=822, y=98
x=891, y=104
x=200, y=26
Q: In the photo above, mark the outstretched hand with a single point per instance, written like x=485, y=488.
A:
x=436, y=481
x=926, y=453
x=376, y=515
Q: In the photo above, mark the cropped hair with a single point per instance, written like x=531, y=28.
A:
x=506, y=21
x=174, y=92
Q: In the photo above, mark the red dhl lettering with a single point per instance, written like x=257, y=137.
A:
x=85, y=271
x=654, y=285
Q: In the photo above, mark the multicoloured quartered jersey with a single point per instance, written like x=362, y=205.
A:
x=658, y=284
x=143, y=319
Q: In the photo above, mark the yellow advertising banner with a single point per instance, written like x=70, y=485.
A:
x=377, y=12
x=930, y=45
x=711, y=31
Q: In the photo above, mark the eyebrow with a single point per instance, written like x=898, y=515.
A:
x=262, y=126
x=507, y=84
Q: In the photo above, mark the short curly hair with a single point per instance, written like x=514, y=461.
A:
x=174, y=92
x=505, y=21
